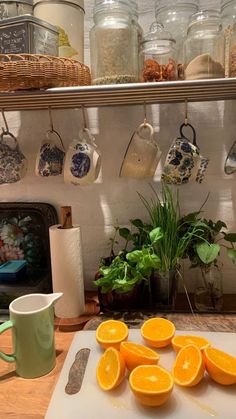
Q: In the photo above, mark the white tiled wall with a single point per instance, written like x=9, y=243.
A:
x=98, y=207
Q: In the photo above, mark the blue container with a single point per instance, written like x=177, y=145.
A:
x=13, y=270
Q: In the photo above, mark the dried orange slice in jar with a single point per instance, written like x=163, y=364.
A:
x=151, y=384
x=178, y=342
x=110, y=370
x=111, y=333
x=189, y=366
x=158, y=332
x=220, y=366
x=135, y=355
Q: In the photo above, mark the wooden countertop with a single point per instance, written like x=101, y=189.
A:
x=29, y=399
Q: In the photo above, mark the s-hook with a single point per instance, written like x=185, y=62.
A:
x=84, y=118
x=6, y=129
x=145, y=114
x=186, y=112
x=52, y=130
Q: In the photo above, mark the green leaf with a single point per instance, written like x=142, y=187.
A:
x=137, y=223
x=208, y=252
x=232, y=255
x=231, y=237
x=219, y=225
x=125, y=233
x=134, y=256
x=155, y=235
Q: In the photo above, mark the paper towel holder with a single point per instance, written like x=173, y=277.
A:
x=66, y=218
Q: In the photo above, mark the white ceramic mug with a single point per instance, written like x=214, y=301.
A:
x=83, y=160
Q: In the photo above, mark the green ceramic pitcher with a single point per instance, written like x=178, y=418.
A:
x=32, y=324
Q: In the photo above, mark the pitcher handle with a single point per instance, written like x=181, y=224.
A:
x=6, y=357
x=193, y=130
x=145, y=125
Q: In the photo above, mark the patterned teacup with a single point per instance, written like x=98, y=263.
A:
x=13, y=164
x=83, y=160
x=50, y=158
x=184, y=162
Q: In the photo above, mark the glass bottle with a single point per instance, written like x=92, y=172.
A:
x=158, y=54
x=204, y=47
x=208, y=294
x=228, y=17
x=175, y=15
x=113, y=43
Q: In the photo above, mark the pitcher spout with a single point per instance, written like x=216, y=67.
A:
x=54, y=297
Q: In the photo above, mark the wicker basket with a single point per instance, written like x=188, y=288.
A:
x=33, y=71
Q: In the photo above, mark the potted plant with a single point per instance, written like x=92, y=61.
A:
x=203, y=252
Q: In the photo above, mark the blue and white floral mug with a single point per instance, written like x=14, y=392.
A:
x=83, y=160
x=50, y=157
x=13, y=164
x=184, y=162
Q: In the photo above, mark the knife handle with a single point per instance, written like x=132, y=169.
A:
x=77, y=371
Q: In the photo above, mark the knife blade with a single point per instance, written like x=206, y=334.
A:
x=77, y=371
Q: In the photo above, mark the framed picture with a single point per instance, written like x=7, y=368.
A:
x=24, y=235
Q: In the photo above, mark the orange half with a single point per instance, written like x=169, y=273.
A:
x=189, y=366
x=110, y=370
x=158, y=332
x=111, y=333
x=220, y=366
x=178, y=342
x=151, y=384
x=135, y=355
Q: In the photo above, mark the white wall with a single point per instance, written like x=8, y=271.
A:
x=98, y=207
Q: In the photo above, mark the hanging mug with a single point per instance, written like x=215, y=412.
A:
x=13, y=164
x=50, y=157
x=83, y=160
x=184, y=162
x=142, y=155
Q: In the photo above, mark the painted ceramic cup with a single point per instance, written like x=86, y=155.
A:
x=13, y=163
x=32, y=324
x=83, y=160
x=142, y=155
x=50, y=158
x=184, y=162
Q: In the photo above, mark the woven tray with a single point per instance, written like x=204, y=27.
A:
x=33, y=71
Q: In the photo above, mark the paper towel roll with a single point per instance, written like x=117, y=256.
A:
x=67, y=270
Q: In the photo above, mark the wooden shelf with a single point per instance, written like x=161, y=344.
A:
x=126, y=94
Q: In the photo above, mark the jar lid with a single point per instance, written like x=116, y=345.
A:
x=79, y=3
x=160, y=4
x=30, y=2
x=102, y=5
x=205, y=15
x=158, y=33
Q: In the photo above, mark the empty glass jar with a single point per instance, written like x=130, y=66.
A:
x=175, y=15
x=204, y=47
x=11, y=8
x=114, y=43
x=228, y=16
x=158, y=54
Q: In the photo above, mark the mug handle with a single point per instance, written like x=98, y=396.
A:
x=145, y=125
x=9, y=134
x=90, y=137
x=57, y=135
x=193, y=130
x=3, y=327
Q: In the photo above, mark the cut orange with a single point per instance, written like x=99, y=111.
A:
x=158, y=332
x=111, y=333
x=110, y=369
x=189, y=366
x=151, y=384
x=220, y=366
x=179, y=342
x=135, y=355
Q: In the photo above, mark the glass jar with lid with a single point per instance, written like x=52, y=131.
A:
x=204, y=47
x=113, y=43
x=158, y=54
x=175, y=16
x=228, y=16
x=11, y=8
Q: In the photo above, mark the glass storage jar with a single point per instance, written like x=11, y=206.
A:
x=175, y=15
x=113, y=43
x=158, y=55
x=11, y=8
x=204, y=47
x=68, y=16
x=228, y=17
x=232, y=54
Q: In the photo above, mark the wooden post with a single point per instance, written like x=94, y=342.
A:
x=66, y=218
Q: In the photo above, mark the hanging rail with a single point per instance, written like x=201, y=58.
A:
x=128, y=94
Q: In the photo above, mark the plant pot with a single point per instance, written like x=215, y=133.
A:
x=164, y=290
x=137, y=299
x=208, y=296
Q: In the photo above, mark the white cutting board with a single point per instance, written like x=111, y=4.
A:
x=206, y=400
